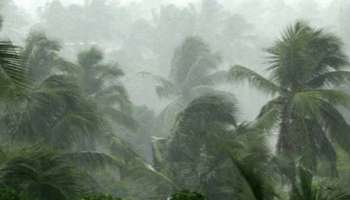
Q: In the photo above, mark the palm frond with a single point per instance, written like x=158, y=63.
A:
x=203, y=90
x=166, y=88
x=109, y=71
x=310, y=102
x=239, y=74
x=122, y=118
x=11, y=64
x=302, y=53
x=333, y=78
x=216, y=77
x=257, y=184
x=335, y=97
x=57, y=112
x=199, y=70
x=92, y=160
x=307, y=188
x=269, y=115
x=41, y=175
x=336, y=126
x=205, y=110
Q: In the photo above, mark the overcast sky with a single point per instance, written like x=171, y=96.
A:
x=31, y=5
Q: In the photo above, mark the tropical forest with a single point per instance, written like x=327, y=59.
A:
x=174, y=100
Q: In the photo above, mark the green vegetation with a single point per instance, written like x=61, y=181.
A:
x=70, y=131
x=187, y=195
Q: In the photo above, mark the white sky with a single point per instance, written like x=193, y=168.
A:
x=31, y=5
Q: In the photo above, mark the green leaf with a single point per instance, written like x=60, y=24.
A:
x=239, y=73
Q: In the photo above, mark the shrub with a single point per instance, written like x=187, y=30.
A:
x=101, y=197
x=8, y=194
x=187, y=195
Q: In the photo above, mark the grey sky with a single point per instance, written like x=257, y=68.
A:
x=31, y=5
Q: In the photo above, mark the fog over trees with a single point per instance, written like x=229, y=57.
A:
x=170, y=99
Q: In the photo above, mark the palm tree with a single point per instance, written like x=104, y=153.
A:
x=101, y=83
x=49, y=108
x=193, y=72
x=64, y=112
x=305, y=64
x=41, y=175
x=56, y=113
x=199, y=153
x=40, y=56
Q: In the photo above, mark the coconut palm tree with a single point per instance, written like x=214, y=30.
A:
x=305, y=64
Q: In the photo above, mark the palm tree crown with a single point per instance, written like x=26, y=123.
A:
x=305, y=64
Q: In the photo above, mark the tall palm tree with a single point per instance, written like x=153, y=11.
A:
x=305, y=64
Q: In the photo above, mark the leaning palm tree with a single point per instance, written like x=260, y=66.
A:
x=305, y=64
x=50, y=108
x=55, y=112
x=198, y=155
x=40, y=56
x=101, y=83
x=194, y=70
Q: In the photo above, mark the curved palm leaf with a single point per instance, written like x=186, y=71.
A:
x=216, y=77
x=311, y=102
x=41, y=175
x=12, y=70
x=55, y=112
x=239, y=74
x=91, y=160
x=336, y=125
x=332, y=78
x=306, y=189
x=256, y=182
x=166, y=88
x=121, y=118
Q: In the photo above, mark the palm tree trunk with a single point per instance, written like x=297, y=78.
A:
x=284, y=144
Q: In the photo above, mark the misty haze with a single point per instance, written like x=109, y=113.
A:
x=174, y=100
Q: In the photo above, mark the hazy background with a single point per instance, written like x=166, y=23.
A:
x=142, y=35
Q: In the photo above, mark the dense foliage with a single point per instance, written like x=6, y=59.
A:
x=69, y=129
x=187, y=195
